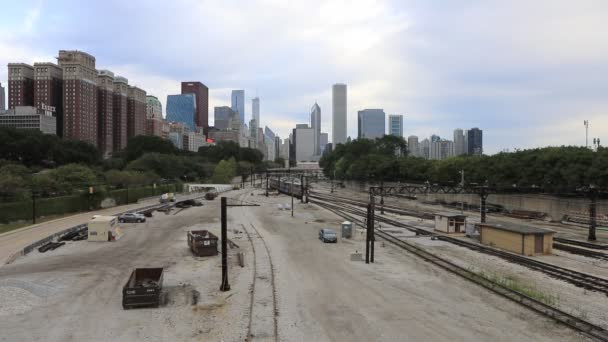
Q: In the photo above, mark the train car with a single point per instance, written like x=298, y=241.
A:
x=287, y=185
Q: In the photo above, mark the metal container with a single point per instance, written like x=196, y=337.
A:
x=347, y=229
x=143, y=288
x=202, y=243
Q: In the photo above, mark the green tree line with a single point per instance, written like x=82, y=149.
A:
x=550, y=168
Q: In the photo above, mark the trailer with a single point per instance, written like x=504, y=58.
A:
x=202, y=243
x=143, y=288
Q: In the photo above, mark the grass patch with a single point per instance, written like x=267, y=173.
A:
x=5, y=228
x=517, y=285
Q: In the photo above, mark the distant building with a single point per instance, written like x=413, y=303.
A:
x=80, y=118
x=182, y=108
x=20, y=85
x=435, y=138
x=48, y=91
x=255, y=109
x=303, y=141
x=459, y=146
x=201, y=94
x=475, y=141
x=136, y=112
x=105, y=112
x=154, y=109
x=119, y=119
x=395, y=125
x=224, y=135
x=157, y=127
x=315, y=124
x=371, y=123
x=412, y=146
x=192, y=141
x=2, y=98
x=339, y=113
x=177, y=139
x=222, y=116
x=28, y=117
x=238, y=104
x=424, y=150
x=441, y=149
x=323, y=142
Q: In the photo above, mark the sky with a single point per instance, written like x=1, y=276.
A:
x=526, y=72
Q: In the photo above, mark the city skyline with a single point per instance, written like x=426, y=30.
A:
x=392, y=55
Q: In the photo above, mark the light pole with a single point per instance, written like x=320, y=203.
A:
x=586, y=122
x=462, y=186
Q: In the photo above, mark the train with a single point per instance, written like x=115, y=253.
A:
x=287, y=185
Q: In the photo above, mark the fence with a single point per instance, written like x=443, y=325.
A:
x=42, y=207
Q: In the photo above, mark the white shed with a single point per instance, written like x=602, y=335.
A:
x=450, y=222
x=104, y=228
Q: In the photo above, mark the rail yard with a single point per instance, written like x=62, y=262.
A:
x=287, y=285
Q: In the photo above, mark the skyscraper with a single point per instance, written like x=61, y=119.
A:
x=119, y=119
x=255, y=109
x=475, y=141
x=371, y=123
x=222, y=116
x=323, y=142
x=2, y=98
x=201, y=92
x=412, y=146
x=182, y=109
x=105, y=112
x=459, y=147
x=315, y=124
x=238, y=104
x=80, y=117
x=303, y=141
x=154, y=109
x=48, y=91
x=136, y=112
x=425, y=149
x=20, y=85
x=339, y=116
x=395, y=125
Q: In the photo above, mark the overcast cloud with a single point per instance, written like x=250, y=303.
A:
x=527, y=72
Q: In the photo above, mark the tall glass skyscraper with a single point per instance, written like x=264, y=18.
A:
x=315, y=124
x=238, y=104
x=371, y=123
x=395, y=125
x=182, y=108
x=338, y=109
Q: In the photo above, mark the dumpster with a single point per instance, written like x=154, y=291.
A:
x=202, y=243
x=143, y=288
x=347, y=229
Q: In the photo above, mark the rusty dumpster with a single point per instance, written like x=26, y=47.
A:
x=202, y=243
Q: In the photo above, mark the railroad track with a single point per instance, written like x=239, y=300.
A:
x=585, y=327
x=262, y=317
x=579, y=279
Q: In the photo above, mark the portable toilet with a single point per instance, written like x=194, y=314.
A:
x=347, y=229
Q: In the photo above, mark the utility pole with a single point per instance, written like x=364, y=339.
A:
x=33, y=207
x=592, y=214
x=462, y=186
x=332, y=182
x=484, y=195
x=367, y=230
x=266, y=183
x=291, y=191
x=302, y=188
x=381, y=199
x=586, y=122
x=225, y=285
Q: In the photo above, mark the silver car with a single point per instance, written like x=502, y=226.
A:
x=132, y=217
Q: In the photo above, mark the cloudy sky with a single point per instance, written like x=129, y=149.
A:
x=527, y=72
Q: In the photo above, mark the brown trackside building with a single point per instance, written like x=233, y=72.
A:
x=79, y=96
x=121, y=92
x=136, y=112
x=201, y=118
x=519, y=239
x=20, y=85
x=48, y=93
x=105, y=112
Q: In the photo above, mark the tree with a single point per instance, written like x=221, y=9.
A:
x=141, y=144
x=72, y=176
x=224, y=172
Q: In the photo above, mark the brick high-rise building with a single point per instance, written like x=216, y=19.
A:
x=79, y=96
x=20, y=85
x=136, y=112
x=121, y=92
x=105, y=112
x=48, y=91
x=201, y=119
x=2, y=98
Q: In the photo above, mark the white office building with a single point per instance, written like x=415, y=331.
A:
x=412, y=146
x=395, y=125
x=339, y=110
x=459, y=142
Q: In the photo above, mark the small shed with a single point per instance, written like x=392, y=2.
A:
x=104, y=228
x=450, y=222
x=525, y=240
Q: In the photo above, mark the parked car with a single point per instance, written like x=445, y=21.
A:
x=132, y=217
x=328, y=235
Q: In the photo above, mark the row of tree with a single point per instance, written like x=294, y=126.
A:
x=551, y=168
x=32, y=161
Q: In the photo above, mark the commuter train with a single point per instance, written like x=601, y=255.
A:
x=286, y=185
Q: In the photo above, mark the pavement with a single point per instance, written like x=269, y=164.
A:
x=14, y=241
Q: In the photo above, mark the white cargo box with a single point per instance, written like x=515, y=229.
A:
x=104, y=228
